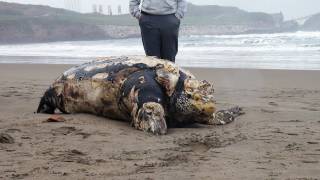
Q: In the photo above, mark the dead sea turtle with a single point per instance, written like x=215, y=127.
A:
x=150, y=93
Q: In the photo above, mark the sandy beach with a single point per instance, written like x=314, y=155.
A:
x=277, y=138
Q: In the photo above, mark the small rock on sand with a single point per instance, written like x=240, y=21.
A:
x=56, y=118
x=6, y=138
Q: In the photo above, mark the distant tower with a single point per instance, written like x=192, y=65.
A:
x=73, y=5
x=100, y=9
x=278, y=19
x=94, y=8
x=109, y=10
x=119, y=10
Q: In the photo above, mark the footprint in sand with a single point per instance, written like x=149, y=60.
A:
x=83, y=134
x=201, y=144
x=199, y=148
x=313, y=142
x=11, y=93
x=309, y=109
x=63, y=130
x=267, y=111
x=13, y=130
x=291, y=121
x=273, y=104
x=293, y=147
x=76, y=156
x=5, y=95
x=173, y=159
x=310, y=161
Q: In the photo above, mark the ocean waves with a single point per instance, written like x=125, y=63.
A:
x=300, y=50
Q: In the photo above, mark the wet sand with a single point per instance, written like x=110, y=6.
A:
x=277, y=138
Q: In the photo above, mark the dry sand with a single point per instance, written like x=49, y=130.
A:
x=278, y=138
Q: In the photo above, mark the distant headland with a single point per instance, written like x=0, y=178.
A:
x=34, y=23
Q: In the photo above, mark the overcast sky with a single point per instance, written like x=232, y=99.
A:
x=290, y=8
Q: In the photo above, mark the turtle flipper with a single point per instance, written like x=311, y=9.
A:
x=150, y=118
x=223, y=117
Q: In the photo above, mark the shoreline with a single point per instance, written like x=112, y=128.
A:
x=135, y=34
x=185, y=67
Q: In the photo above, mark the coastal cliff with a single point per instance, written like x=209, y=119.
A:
x=312, y=23
x=31, y=23
x=34, y=23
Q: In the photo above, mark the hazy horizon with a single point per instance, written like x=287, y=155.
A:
x=290, y=8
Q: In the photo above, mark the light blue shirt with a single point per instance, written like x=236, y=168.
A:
x=158, y=7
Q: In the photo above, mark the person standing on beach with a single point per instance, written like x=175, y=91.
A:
x=159, y=22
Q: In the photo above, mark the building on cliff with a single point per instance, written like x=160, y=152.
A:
x=278, y=19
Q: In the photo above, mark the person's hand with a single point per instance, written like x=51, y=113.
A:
x=178, y=16
x=138, y=16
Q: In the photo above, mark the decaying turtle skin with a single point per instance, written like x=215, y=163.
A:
x=150, y=93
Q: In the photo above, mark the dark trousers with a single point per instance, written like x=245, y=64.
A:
x=160, y=35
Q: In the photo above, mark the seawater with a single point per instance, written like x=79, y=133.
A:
x=299, y=50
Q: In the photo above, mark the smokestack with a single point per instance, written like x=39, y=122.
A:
x=109, y=10
x=73, y=5
x=100, y=9
x=119, y=10
x=94, y=8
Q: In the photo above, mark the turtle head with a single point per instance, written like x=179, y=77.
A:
x=196, y=98
x=47, y=103
x=51, y=100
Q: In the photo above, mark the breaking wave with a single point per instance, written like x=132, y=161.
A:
x=299, y=50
